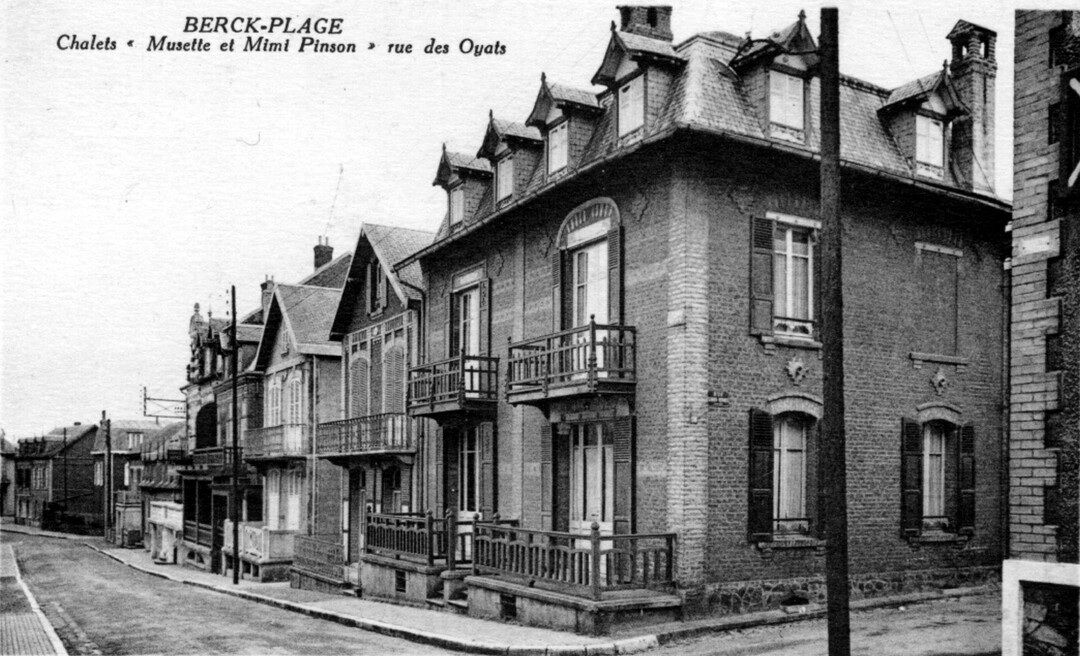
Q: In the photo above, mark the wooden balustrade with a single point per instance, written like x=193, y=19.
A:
x=386, y=432
x=452, y=384
x=323, y=555
x=277, y=441
x=587, y=565
x=577, y=361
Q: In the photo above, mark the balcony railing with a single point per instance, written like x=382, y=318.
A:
x=212, y=456
x=127, y=498
x=258, y=542
x=284, y=440
x=422, y=537
x=453, y=385
x=586, y=565
x=199, y=533
x=323, y=555
x=590, y=359
x=389, y=432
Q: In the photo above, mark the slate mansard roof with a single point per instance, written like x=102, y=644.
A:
x=708, y=96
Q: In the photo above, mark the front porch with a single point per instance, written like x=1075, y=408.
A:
x=265, y=553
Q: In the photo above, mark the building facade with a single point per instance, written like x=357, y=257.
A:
x=117, y=472
x=54, y=481
x=628, y=282
x=163, y=455
x=1042, y=575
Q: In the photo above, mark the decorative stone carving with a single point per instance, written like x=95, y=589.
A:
x=939, y=381
x=796, y=370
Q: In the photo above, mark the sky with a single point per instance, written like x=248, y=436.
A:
x=135, y=184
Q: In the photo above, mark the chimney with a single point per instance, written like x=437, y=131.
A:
x=650, y=21
x=324, y=252
x=267, y=288
x=78, y=423
x=972, y=72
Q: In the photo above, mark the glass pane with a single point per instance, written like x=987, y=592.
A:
x=801, y=288
x=780, y=286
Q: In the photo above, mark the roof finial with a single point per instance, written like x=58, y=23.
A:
x=543, y=77
x=802, y=15
x=612, y=26
x=444, y=147
x=491, y=114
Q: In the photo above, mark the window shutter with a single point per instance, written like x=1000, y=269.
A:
x=965, y=507
x=546, y=477
x=358, y=386
x=911, y=478
x=761, y=277
x=615, y=291
x=488, y=490
x=378, y=373
x=557, y=290
x=485, y=316
x=1069, y=135
x=623, y=512
x=394, y=400
x=448, y=325
x=760, y=510
x=440, y=473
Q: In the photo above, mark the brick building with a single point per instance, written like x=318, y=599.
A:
x=1044, y=408
x=54, y=481
x=117, y=470
x=162, y=456
x=627, y=283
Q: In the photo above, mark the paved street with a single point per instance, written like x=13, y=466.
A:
x=967, y=626
x=122, y=611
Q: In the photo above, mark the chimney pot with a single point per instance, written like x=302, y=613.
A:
x=324, y=252
x=647, y=20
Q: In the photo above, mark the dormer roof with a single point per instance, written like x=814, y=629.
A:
x=795, y=39
x=963, y=27
x=514, y=134
x=452, y=163
x=637, y=48
x=305, y=314
x=562, y=97
x=921, y=89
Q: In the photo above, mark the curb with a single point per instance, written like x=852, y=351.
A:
x=631, y=645
x=50, y=631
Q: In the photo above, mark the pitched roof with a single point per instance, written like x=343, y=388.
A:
x=393, y=244
x=706, y=96
x=54, y=441
x=635, y=46
x=118, y=427
x=309, y=312
x=161, y=439
x=332, y=274
x=499, y=130
x=563, y=93
x=921, y=86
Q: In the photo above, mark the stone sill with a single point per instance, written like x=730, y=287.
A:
x=937, y=537
x=785, y=543
x=772, y=341
x=918, y=359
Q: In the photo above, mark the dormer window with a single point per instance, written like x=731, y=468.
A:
x=786, y=106
x=929, y=141
x=504, y=178
x=632, y=105
x=457, y=206
x=557, y=139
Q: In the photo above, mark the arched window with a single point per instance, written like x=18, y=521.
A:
x=587, y=267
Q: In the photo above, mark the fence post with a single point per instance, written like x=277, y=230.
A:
x=594, y=565
x=475, y=545
x=451, y=539
x=672, y=555
x=429, y=537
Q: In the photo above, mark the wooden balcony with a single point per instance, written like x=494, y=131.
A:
x=590, y=360
x=211, y=457
x=387, y=433
x=282, y=442
x=422, y=538
x=466, y=383
x=593, y=566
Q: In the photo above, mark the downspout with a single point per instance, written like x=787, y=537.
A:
x=420, y=471
x=1006, y=428
x=314, y=414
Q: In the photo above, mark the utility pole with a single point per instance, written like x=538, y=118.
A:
x=107, y=425
x=235, y=451
x=833, y=450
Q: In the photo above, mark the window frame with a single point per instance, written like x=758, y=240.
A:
x=504, y=188
x=456, y=200
x=786, y=324
x=558, y=143
x=781, y=105
x=631, y=111
x=934, y=506
x=800, y=523
x=929, y=144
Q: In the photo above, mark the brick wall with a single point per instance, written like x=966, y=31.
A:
x=1045, y=305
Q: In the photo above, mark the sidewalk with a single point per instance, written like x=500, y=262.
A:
x=459, y=632
x=24, y=629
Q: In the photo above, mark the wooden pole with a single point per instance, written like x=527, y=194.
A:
x=833, y=459
x=235, y=442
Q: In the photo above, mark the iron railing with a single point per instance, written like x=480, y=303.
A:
x=455, y=380
x=212, y=456
x=586, y=565
x=389, y=431
x=323, y=555
x=589, y=355
x=280, y=440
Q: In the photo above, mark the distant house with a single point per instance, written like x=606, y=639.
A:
x=117, y=470
x=54, y=480
x=7, y=477
x=162, y=455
